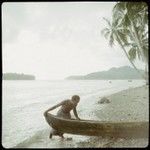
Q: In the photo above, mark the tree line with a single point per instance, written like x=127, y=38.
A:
x=16, y=76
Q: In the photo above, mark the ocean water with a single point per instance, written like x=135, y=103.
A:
x=23, y=104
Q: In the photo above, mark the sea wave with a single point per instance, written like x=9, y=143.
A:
x=23, y=122
x=36, y=137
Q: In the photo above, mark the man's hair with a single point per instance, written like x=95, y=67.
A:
x=75, y=97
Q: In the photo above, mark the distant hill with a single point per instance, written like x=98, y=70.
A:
x=17, y=76
x=124, y=72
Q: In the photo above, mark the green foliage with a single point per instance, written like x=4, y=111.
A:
x=16, y=76
x=129, y=28
x=134, y=19
x=132, y=53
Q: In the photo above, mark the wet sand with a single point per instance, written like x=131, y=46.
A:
x=128, y=105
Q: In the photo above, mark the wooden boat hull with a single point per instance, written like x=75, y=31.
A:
x=98, y=128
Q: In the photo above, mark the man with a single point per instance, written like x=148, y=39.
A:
x=64, y=112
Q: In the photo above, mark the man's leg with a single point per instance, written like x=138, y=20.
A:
x=52, y=132
x=50, y=136
x=62, y=136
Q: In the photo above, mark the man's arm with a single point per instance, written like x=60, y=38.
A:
x=54, y=107
x=75, y=113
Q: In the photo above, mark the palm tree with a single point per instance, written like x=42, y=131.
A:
x=116, y=33
x=133, y=17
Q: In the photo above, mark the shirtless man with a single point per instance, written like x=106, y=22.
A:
x=64, y=112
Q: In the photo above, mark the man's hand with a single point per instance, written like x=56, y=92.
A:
x=45, y=113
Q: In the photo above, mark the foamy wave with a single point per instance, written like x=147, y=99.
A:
x=32, y=139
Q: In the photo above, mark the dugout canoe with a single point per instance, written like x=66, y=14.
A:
x=98, y=128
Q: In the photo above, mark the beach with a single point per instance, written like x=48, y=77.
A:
x=87, y=61
x=127, y=105
x=23, y=123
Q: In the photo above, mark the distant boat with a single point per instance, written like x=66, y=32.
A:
x=129, y=80
x=98, y=128
x=109, y=81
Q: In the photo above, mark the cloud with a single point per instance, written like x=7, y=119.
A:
x=42, y=17
x=13, y=20
x=54, y=40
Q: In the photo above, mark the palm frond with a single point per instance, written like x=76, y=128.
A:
x=106, y=35
x=132, y=54
x=111, y=40
x=126, y=21
x=108, y=22
x=145, y=51
x=123, y=37
x=104, y=31
x=127, y=44
x=139, y=55
x=118, y=9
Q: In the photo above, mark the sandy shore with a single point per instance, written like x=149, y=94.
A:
x=128, y=105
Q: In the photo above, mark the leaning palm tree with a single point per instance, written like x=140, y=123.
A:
x=134, y=19
x=116, y=33
x=134, y=53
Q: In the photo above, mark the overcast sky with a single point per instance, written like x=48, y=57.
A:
x=57, y=39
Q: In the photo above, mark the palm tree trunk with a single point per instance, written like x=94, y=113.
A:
x=137, y=40
x=135, y=36
x=146, y=74
x=120, y=43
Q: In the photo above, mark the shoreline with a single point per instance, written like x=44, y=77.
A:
x=127, y=105
x=129, y=98
x=132, y=101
